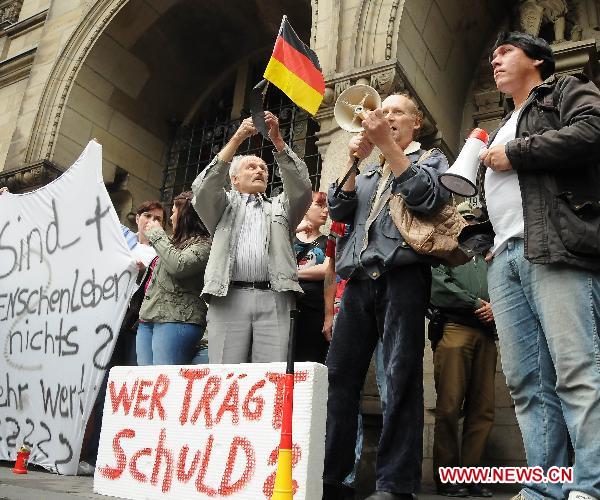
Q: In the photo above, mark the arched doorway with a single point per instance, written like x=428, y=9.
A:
x=196, y=142
x=155, y=66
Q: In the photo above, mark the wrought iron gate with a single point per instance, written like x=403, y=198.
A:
x=194, y=146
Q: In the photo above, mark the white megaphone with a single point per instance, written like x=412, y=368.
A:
x=461, y=177
x=349, y=113
x=352, y=103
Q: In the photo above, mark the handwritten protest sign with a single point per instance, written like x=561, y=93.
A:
x=66, y=277
x=209, y=431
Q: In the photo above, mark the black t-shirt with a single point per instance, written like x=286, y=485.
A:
x=311, y=254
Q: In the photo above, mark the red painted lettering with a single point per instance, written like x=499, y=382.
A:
x=115, y=472
x=231, y=403
x=182, y=475
x=213, y=383
x=227, y=487
x=133, y=470
x=258, y=402
x=161, y=386
x=138, y=411
x=123, y=397
x=161, y=452
x=278, y=380
x=269, y=483
x=191, y=375
x=200, y=486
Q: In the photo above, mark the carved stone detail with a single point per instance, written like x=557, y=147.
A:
x=386, y=82
x=534, y=13
x=531, y=17
x=9, y=11
x=488, y=100
x=385, y=79
x=328, y=97
x=585, y=17
x=339, y=88
x=389, y=37
x=315, y=18
x=30, y=177
x=63, y=74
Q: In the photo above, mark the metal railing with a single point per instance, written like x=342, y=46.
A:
x=194, y=146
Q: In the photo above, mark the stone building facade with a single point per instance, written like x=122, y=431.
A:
x=161, y=83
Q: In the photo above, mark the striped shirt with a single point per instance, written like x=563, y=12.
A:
x=141, y=252
x=251, y=256
x=130, y=237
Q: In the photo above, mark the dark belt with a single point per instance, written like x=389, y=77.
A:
x=259, y=285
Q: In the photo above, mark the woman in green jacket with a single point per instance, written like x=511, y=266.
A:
x=173, y=316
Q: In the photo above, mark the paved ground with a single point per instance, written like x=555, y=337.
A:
x=41, y=485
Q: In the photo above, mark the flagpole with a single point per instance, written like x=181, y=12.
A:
x=283, y=489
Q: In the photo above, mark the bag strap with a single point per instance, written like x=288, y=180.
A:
x=426, y=155
x=421, y=159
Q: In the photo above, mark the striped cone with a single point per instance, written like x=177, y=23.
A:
x=284, y=488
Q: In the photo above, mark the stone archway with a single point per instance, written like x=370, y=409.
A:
x=132, y=68
x=64, y=71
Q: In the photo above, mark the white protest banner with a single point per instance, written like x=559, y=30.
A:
x=66, y=277
x=209, y=431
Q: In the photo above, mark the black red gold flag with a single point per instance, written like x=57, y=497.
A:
x=294, y=68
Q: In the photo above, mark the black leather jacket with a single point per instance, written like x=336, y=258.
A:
x=556, y=154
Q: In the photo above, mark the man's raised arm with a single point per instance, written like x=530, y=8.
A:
x=210, y=197
x=294, y=175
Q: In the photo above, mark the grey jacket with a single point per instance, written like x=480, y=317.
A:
x=173, y=294
x=223, y=214
x=370, y=251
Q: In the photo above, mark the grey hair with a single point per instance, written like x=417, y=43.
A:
x=235, y=165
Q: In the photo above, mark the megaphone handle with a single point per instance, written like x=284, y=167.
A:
x=353, y=168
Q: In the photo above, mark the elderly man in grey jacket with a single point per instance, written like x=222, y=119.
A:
x=251, y=275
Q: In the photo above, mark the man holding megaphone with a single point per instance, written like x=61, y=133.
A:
x=385, y=297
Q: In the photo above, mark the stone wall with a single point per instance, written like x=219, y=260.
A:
x=121, y=70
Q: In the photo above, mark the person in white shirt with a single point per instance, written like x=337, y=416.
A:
x=138, y=243
x=542, y=191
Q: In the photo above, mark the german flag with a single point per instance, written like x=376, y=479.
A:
x=295, y=69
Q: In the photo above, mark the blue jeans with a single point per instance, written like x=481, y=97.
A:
x=392, y=308
x=548, y=320
x=167, y=343
x=201, y=356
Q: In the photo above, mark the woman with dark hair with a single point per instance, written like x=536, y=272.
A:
x=310, y=245
x=173, y=316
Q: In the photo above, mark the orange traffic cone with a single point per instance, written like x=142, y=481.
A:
x=22, y=461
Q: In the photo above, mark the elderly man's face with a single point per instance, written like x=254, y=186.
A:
x=251, y=176
x=401, y=115
x=513, y=68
